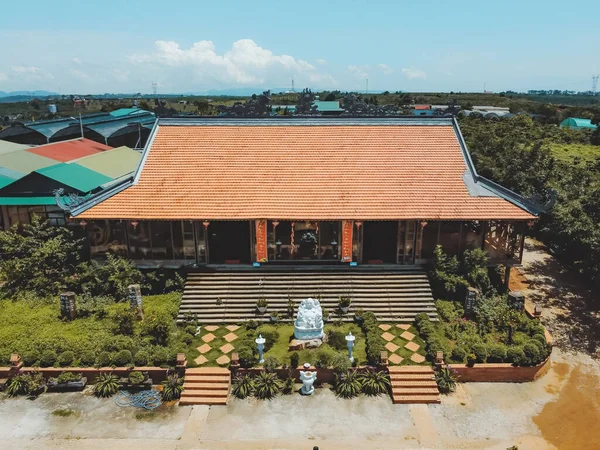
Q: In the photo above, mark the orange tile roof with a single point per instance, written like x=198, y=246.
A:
x=368, y=172
x=65, y=151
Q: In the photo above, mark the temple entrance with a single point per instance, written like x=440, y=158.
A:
x=380, y=242
x=229, y=242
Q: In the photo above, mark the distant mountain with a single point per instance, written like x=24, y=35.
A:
x=27, y=93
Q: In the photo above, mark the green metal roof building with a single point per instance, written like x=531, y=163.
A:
x=578, y=124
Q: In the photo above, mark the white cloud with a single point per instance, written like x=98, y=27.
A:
x=77, y=61
x=414, y=74
x=3, y=76
x=387, y=70
x=121, y=75
x=246, y=63
x=321, y=61
x=32, y=72
x=81, y=75
x=359, y=71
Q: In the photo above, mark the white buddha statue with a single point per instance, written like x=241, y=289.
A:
x=309, y=321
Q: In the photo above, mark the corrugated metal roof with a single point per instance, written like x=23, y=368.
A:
x=325, y=106
x=128, y=112
x=108, y=128
x=27, y=201
x=13, y=174
x=25, y=162
x=76, y=176
x=69, y=150
x=577, y=122
x=5, y=181
x=9, y=147
x=113, y=163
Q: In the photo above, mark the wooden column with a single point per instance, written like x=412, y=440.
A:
x=261, y=240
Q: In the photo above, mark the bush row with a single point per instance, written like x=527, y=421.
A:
x=373, y=339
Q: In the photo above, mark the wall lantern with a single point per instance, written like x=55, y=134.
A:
x=83, y=223
x=206, y=223
x=134, y=224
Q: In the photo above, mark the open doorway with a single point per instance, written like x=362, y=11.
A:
x=380, y=242
x=229, y=242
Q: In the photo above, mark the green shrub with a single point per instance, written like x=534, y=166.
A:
x=106, y=385
x=157, y=327
x=459, y=354
x=294, y=360
x=160, y=356
x=337, y=339
x=141, y=358
x=533, y=354
x=270, y=334
x=246, y=355
x=445, y=380
x=87, y=359
x=66, y=358
x=449, y=311
x=437, y=343
x=373, y=339
x=187, y=338
x=110, y=277
x=66, y=377
x=124, y=321
x=48, y=358
x=31, y=384
x=340, y=363
x=347, y=385
x=190, y=329
x=136, y=377
x=541, y=338
x=252, y=324
x=123, y=358
x=288, y=386
x=104, y=359
x=118, y=343
x=480, y=351
x=266, y=386
x=375, y=383
x=496, y=353
x=324, y=357
x=31, y=357
x=515, y=355
x=243, y=386
x=172, y=388
x=271, y=364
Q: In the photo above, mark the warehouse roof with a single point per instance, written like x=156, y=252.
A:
x=343, y=168
x=69, y=150
x=76, y=176
x=115, y=163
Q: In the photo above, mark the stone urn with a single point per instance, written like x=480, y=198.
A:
x=308, y=379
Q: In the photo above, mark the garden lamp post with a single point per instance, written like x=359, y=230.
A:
x=260, y=342
x=350, y=342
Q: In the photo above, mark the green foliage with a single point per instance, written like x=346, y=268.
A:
x=160, y=356
x=136, y=377
x=124, y=321
x=252, y=325
x=516, y=355
x=87, y=358
x=340, y=363
x=496, y=353
x=172, y=388
x=31, y=384
x=157, y=327
x=122, y=358
x=347, y=385
x=66, y=377
x=271, y=335
x=142, y=357
x=39, y=258
x=243, y=386
x=31, y=357
x=375, y=383
x=336, y=339
x=66, y=358
x=104, y=359
x=246, y=355
x=294, y=360
x=533, y=354
x=373, y=339
x=459, y=354
x=445, y=380
x=110, y=277
x=324, y=357
x=449, y=311
x=266, y=386
x=48, y=358
x=271, y=364
x=288, y=386
x=480, y=352
x=106, y=385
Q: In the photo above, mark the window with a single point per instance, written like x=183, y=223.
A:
x=55, y=215
x=162, y=243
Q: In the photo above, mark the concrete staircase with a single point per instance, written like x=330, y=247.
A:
x=230, y=297
x=206, y=386
x=413, y=384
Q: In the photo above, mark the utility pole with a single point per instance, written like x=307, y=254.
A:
x=293, y=85
x=367, y=86
x=595, y=83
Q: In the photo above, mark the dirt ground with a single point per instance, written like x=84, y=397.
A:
x=561, y=410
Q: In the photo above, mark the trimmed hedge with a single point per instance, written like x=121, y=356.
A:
x=373, y=339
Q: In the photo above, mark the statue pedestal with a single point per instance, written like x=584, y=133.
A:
x=308, y=379
x=308, y=325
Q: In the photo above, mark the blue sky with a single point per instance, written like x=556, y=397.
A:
x=191, y=46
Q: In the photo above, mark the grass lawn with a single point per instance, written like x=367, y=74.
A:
x=34, y=326
x=568, y=152
x=401, y=342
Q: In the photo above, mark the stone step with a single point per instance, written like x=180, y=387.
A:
x=303, y=275
x=410, y=369
x=189, y=401
x=204, y=385
x=216, y=379
x=398, y=392
x=187, y=392
x=416, y=399
x=414, y=384
x=410, y=377
x=219, y=320
x=252, y=308
x=207, y=371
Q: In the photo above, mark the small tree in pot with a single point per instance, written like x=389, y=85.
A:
x=262, y=304
x=344, y=303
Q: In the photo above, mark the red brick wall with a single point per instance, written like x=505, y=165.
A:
x=500, y=372
x=157, y=374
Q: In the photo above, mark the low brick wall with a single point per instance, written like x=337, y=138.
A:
x=323, y=375
x=158, y=374
x=499, y=372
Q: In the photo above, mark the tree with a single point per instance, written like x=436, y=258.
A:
x=305, y=103
x=38, y=258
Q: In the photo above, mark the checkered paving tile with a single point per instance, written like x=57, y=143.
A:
x=417, y=358
x=413, y=347
x=388, y=336
x=222, y=360
x=403, y=326
x=204, y=348
x=226, y=348
x=395, y=359
x=208, y=337
x=391, y=347
x=230, y=337
x=200, y=360
x=211, y=327
x=385, y=326
x=232, y=327
x=407, y=335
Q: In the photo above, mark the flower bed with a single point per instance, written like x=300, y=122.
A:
x=498, y=372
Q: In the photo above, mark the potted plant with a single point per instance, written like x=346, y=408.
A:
x=274, y=316
x=261, y=305
x=67, y=381
x=471, y=359
x=358, y=316
x=290, y=307
x=325, y=314
x=136, y=381
x=344, y=303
